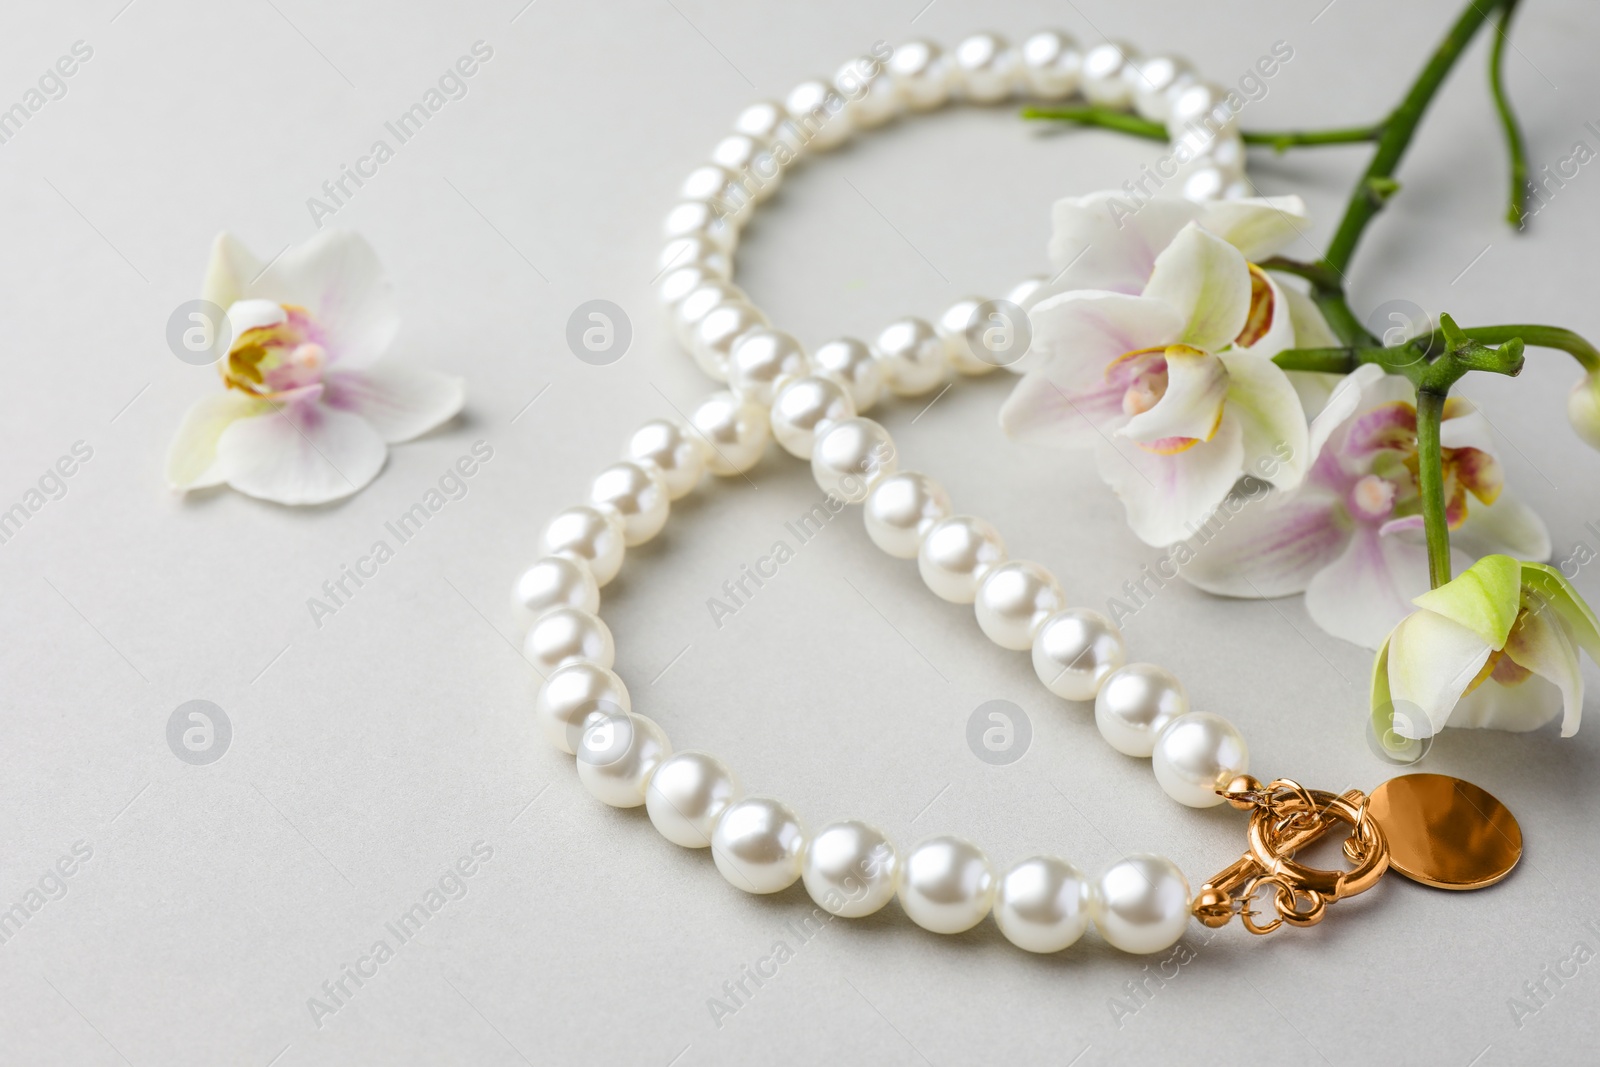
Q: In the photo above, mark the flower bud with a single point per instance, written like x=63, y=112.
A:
x=1583, y=408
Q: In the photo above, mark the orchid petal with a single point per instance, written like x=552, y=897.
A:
x=1467, y=428
x=229, y=271
x=1485, y=598
x=1276, y=438
x=1507, y=526
x=1341, y=406
x=1311, y=329
x=1206, y=281
x=1169, y=497
x=301, y=453
x=1101, y=241
x=1197, y=386
x=1525, y=706
x=336, y=276
x=399, y=402
x=1543, y=643
x=1257, y=226
x=1432, y=661
x=1360, y=596
x=192, y=456
x=245, y=315
x=1391, y=724
x=1279, y=332
x=1270, y=548
x=1558, y=592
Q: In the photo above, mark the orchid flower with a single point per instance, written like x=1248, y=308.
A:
x=1496, y=648
x=1350, y=537
x=1174, y=388
x=308, y=409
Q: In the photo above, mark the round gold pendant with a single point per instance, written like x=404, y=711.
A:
x=1445, y=832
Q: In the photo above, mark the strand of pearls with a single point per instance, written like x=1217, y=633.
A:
x=813, y=404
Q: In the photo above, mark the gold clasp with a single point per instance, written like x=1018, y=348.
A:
x=1285, y=817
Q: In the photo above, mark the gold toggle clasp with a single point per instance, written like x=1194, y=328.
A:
x=1285, y=817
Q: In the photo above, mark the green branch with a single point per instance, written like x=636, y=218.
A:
x=1539, y=336
x=1123, y=122
x=1430, y=482
x=1515, y=145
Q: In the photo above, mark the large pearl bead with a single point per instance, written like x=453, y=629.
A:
x=1051, y=65
x=956, y=554
x=1074, y=651
x=760, y=360
x=1141, y=903
x=1013, y=601
x=706, y=182
x=850, y=869
x=699, y=302
x=553, y=582
x=946, y=885
x=638, y=496
x=735, y=432
x=769, y=120
x=568, y=635
x=679, y=282
x=801, y=407
x=988, y=67
x=870, y=92
x=718, y=331
x=617, y=756
x=697, y=218
x=1155, y=82
x=912, y=354
x=758, y=844
x=574, y=694
x=589, y=534
x=1135, y=704
x=687, y=795
x=674, y=450
x=852, y=363
x=922, y=75
x=696, y=250
x=849, y=455
x=901, y=509
x=821, y=112
x=1105, y=80
x=1196, y=755
x=962, y=334
x=1042, y=904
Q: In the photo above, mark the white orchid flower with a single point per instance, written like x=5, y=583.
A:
x=308, y=409
x=1174, y=389
x=1495, y=648
x=1350, y=537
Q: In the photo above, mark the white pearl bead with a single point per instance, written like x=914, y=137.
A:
x=820, y=112
x=962, y=333
x=553, y=582
x=1227, y=153
x=946, y=885
x=850, y=869
x=707, y=182
x=1141, y=903
x=1239, y=190
x=857, y=369
x=696, y=250
x=699, y=302
x=912, y=355
x=770, y=121
x=922, y=74
x=617, y=756
x=1205, y=183
x=760, y=360
x=568, y=635
x=1074, y=651
x=735, y=432
x=1134, y=705
x=697, y=218
x=571, y=696
x=802, y=406
x=1104, y=74
x=1196, y=755
x=718, y=331
x=955, y=556
x=1051, y=65
x=1013, y=601
x=757, y=845
x=751, y=160
x=589, y=534
x=679, y=282
x=675, y=452
x=987, y=67
x=1027, y=293
x=869, y=90
x=849, y=455
x=1042, y=904
x=687, y=795
x=638, y=496
x=900, y=510
x=1155, y=80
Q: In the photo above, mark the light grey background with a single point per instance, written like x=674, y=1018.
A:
x=372, y=752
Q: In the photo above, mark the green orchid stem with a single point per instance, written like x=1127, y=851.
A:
x=1123, y=122
x=1555, y=337
x=1515, y=147
x=1430, y=482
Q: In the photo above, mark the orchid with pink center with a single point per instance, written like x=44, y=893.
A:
x=1174, y=389
x=1350, y=537
x=308, y=408
x=1497, y=648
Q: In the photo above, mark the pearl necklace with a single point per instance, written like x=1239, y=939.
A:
x=812, y=405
